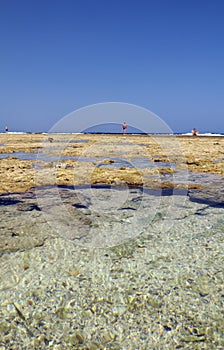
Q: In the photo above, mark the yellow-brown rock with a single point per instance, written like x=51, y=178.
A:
x=84, y=153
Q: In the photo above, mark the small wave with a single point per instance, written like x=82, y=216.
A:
x=203, y=134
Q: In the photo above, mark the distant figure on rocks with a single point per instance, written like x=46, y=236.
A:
x=124, y=127
x=195, y=132
x=6, y=129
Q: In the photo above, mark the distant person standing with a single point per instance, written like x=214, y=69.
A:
x=195, y=132
x=6, y=129
x=124, y=127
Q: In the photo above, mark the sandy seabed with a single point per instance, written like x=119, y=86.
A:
x=111, y=242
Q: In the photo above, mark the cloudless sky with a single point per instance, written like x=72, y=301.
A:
x=163, y=55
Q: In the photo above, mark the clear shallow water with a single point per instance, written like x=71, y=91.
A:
x=117, y=214
x=116, y=162
x=118, y=259
x=44, y=156
x=105, y=215
x=20, y=155
x=133, y=163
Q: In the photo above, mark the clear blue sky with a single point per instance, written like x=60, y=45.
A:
x=164, y=55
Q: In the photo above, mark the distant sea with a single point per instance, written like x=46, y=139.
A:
x=112, y=133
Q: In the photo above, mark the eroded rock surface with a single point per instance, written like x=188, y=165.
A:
x=66, y=160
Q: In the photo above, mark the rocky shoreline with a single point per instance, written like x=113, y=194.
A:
x=79, y=159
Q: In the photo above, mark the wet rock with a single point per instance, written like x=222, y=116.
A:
x=27, y=207
x=15, y=234
x=212, y=196
x=7, y=200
